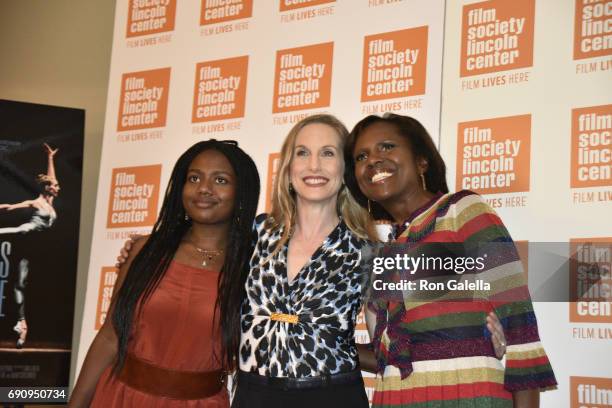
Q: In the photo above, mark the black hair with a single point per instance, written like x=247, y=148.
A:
x=151, y=263
x=422, y=147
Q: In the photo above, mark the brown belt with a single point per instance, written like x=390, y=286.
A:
x=185, y=385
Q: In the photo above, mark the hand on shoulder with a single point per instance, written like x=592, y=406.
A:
x=135, y=242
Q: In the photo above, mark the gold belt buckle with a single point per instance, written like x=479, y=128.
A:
x=282, y=317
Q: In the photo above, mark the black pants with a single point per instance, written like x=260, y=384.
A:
x=351, y=395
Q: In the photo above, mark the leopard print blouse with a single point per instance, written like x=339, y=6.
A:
x=326, y=296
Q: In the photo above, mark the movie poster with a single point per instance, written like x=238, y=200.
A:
x=41, y=156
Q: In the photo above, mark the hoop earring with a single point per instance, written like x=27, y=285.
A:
x=423, y=182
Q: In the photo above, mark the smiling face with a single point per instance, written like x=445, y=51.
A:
x=210, y=188
x=317, y=164
x=385, y=166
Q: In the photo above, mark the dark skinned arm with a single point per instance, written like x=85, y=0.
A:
x=103, y=349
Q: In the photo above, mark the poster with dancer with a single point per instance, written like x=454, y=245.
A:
x=41, y=156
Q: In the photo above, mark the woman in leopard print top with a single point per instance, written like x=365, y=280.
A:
x=304, y=289
x=325, y=296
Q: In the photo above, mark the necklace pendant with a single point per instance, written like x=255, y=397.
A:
x=204, y=262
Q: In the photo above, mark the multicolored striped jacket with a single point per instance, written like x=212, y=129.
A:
x=408, y=331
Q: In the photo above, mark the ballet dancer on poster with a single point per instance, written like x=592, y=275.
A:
x=43, y=217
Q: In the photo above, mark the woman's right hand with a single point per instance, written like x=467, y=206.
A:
x=125, y=250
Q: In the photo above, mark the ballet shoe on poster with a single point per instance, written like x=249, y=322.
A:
x=22, y=330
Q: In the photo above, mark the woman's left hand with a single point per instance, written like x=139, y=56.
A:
x=497, y=335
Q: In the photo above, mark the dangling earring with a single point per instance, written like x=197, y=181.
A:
x=423, y=182
x=186, y=217
x=369, y=208
x=291, y=190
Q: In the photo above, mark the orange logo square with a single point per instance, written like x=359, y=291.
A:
x=286, y=5
x=394, y=64
x=591, y=147
x=591, y=29
x=150, y=17
x=219, y=11
x=497, y=35
x=591, y=280
x=590, y=392
x=302, y=78
x=273, y=165
x=134, y=192
x=493, y=155
x=144, y=99
x=108, y=276
x=220, y=89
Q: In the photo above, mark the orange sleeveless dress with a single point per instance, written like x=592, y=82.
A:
x=174, y=332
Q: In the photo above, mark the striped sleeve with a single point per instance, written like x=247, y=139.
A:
x=482, y=231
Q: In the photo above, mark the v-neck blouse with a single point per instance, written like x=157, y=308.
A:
x=326, y=296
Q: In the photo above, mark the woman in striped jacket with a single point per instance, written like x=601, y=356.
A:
x=439, y=353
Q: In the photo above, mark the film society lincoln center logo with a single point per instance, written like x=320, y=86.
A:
x=497, y=35
x=592, y=146
x=133, y=197
x=144, y=99
x=150, y=17
x=493, y=155
x=302, y=78
x=394, y=64
x=108, y=276
x=220, y=11
x=592, y=26
x=220, y=89
x=590, y=392
x=286, y=5
x=591, y=280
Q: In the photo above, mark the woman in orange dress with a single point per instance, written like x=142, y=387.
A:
x=173, y=327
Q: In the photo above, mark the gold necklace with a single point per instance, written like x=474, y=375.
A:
x=209, y=255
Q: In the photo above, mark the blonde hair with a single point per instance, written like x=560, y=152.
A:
x=283, y=214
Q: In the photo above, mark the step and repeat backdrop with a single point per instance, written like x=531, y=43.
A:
x=526, y=121
x=517, y=93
